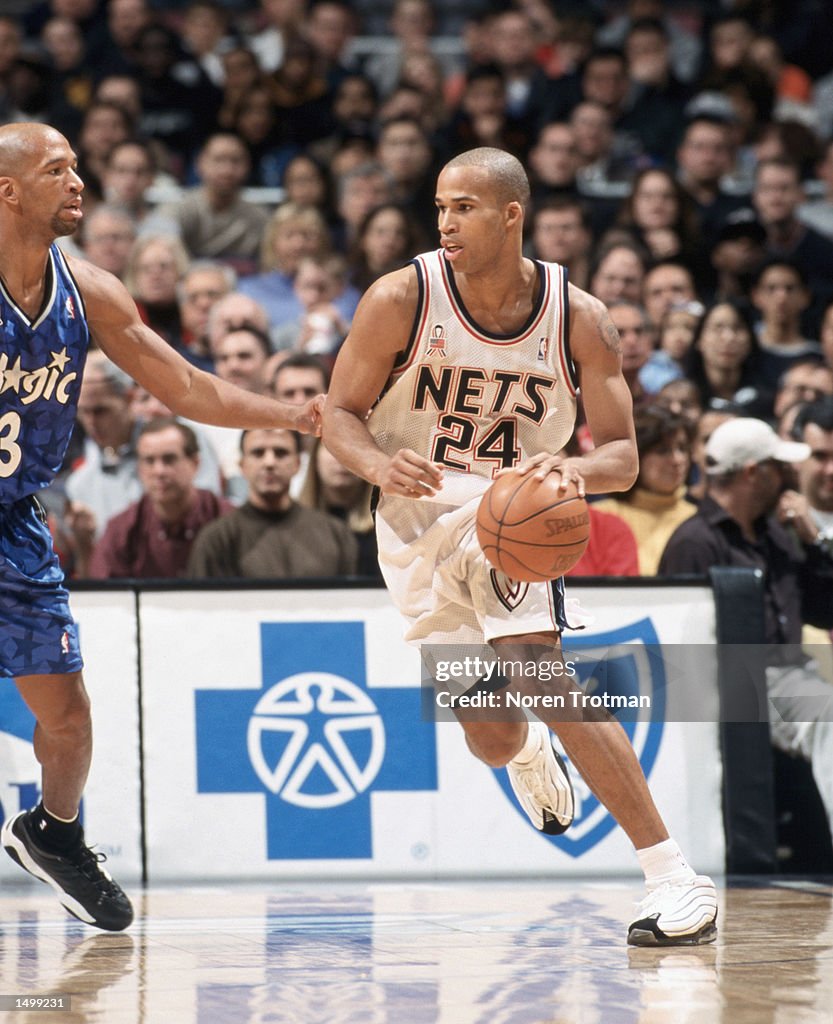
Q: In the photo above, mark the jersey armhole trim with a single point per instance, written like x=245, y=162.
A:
x=568, y=366
x=406, y=356
x=81, y=304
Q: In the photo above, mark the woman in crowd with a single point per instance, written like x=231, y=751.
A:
x=656, y=504
x=724, y=353
x=388, y=237
x=659, y=215
x=330, y=487
x=156, y=265
x=292, y=233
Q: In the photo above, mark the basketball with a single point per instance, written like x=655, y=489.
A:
x=530, y=529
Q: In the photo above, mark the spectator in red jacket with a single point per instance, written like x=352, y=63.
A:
x=152, y=538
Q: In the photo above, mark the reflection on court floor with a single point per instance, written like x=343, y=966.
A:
x=543, y=952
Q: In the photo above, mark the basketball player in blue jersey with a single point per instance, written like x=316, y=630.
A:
x=51, y=307
x=477, y=353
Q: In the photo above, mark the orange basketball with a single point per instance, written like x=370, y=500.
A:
x=531, y=529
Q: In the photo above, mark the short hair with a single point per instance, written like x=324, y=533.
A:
x=190, y=444
x=223, y=136
x=406, y=119
x=604, y=53
x=814, y=359
x=711, y=120
x=255, y=314
x=647, y=323
x=366, y=81
x=247, y=327
x=302, y=361
x=100, y=366
x=489, y=69
x=134, y=143
x=366, y=169
x=653, y=25
x=106, y=210
x=629, y=244
x=559, y=203
x=115, y=108
x=296, y=437
x=819, y=413
x=670, y=261
x=782, y=162
x=506, y=171
x=229, y=275
x=780, y=261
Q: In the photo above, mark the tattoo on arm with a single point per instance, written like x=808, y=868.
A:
x=608, y=334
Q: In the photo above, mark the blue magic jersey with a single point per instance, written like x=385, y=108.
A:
x=41, y=363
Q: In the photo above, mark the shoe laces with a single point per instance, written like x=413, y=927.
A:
x=87, y=861
x=530, y=776
x=658, y=895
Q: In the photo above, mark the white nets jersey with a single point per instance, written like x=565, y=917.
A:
x=474, y=401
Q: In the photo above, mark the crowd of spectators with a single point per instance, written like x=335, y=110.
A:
x=253, y=166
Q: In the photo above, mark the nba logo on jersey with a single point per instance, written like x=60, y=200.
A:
x=626, y=662
x=437, y=341
x=70, y=307
x=543, y=349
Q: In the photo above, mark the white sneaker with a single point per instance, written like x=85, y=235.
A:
x=677, y=914
x=543, y=786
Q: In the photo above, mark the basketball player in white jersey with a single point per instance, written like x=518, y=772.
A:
x=477, y=353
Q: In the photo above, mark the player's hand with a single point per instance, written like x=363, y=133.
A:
x=793, y=510
x=308, y=420
x=410, y=475
x=541, y=465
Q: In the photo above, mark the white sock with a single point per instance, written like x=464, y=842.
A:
x=532, y=744
x=663, y=863
x=65, y=821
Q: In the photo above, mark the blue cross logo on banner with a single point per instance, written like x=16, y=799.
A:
x=315, y=740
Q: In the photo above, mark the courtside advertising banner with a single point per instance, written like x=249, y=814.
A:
x=286, y=735
x=111, y=807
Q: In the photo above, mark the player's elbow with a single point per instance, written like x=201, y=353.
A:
x=632, y=471
x=627, y=467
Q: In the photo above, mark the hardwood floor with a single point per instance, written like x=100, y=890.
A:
x=485, y=952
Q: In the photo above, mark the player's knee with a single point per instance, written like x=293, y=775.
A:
x=496, y=749
x=78, y=716
x=68, y=714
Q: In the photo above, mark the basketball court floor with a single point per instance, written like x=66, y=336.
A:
x=456, y=952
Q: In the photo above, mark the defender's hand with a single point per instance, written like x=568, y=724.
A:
x=309, y=416
x=410, y=475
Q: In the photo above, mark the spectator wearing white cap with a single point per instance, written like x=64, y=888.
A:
x=751, y=519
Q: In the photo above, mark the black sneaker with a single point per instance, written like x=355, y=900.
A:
x=83, y=887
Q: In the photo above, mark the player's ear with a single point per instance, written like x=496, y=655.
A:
x=514, y=213
x=8, y=188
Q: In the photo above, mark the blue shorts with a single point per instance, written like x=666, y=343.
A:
x=38, y=634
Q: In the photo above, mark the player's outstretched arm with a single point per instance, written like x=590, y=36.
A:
x=381, y=329
x=595, y=347
x=116, y=327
